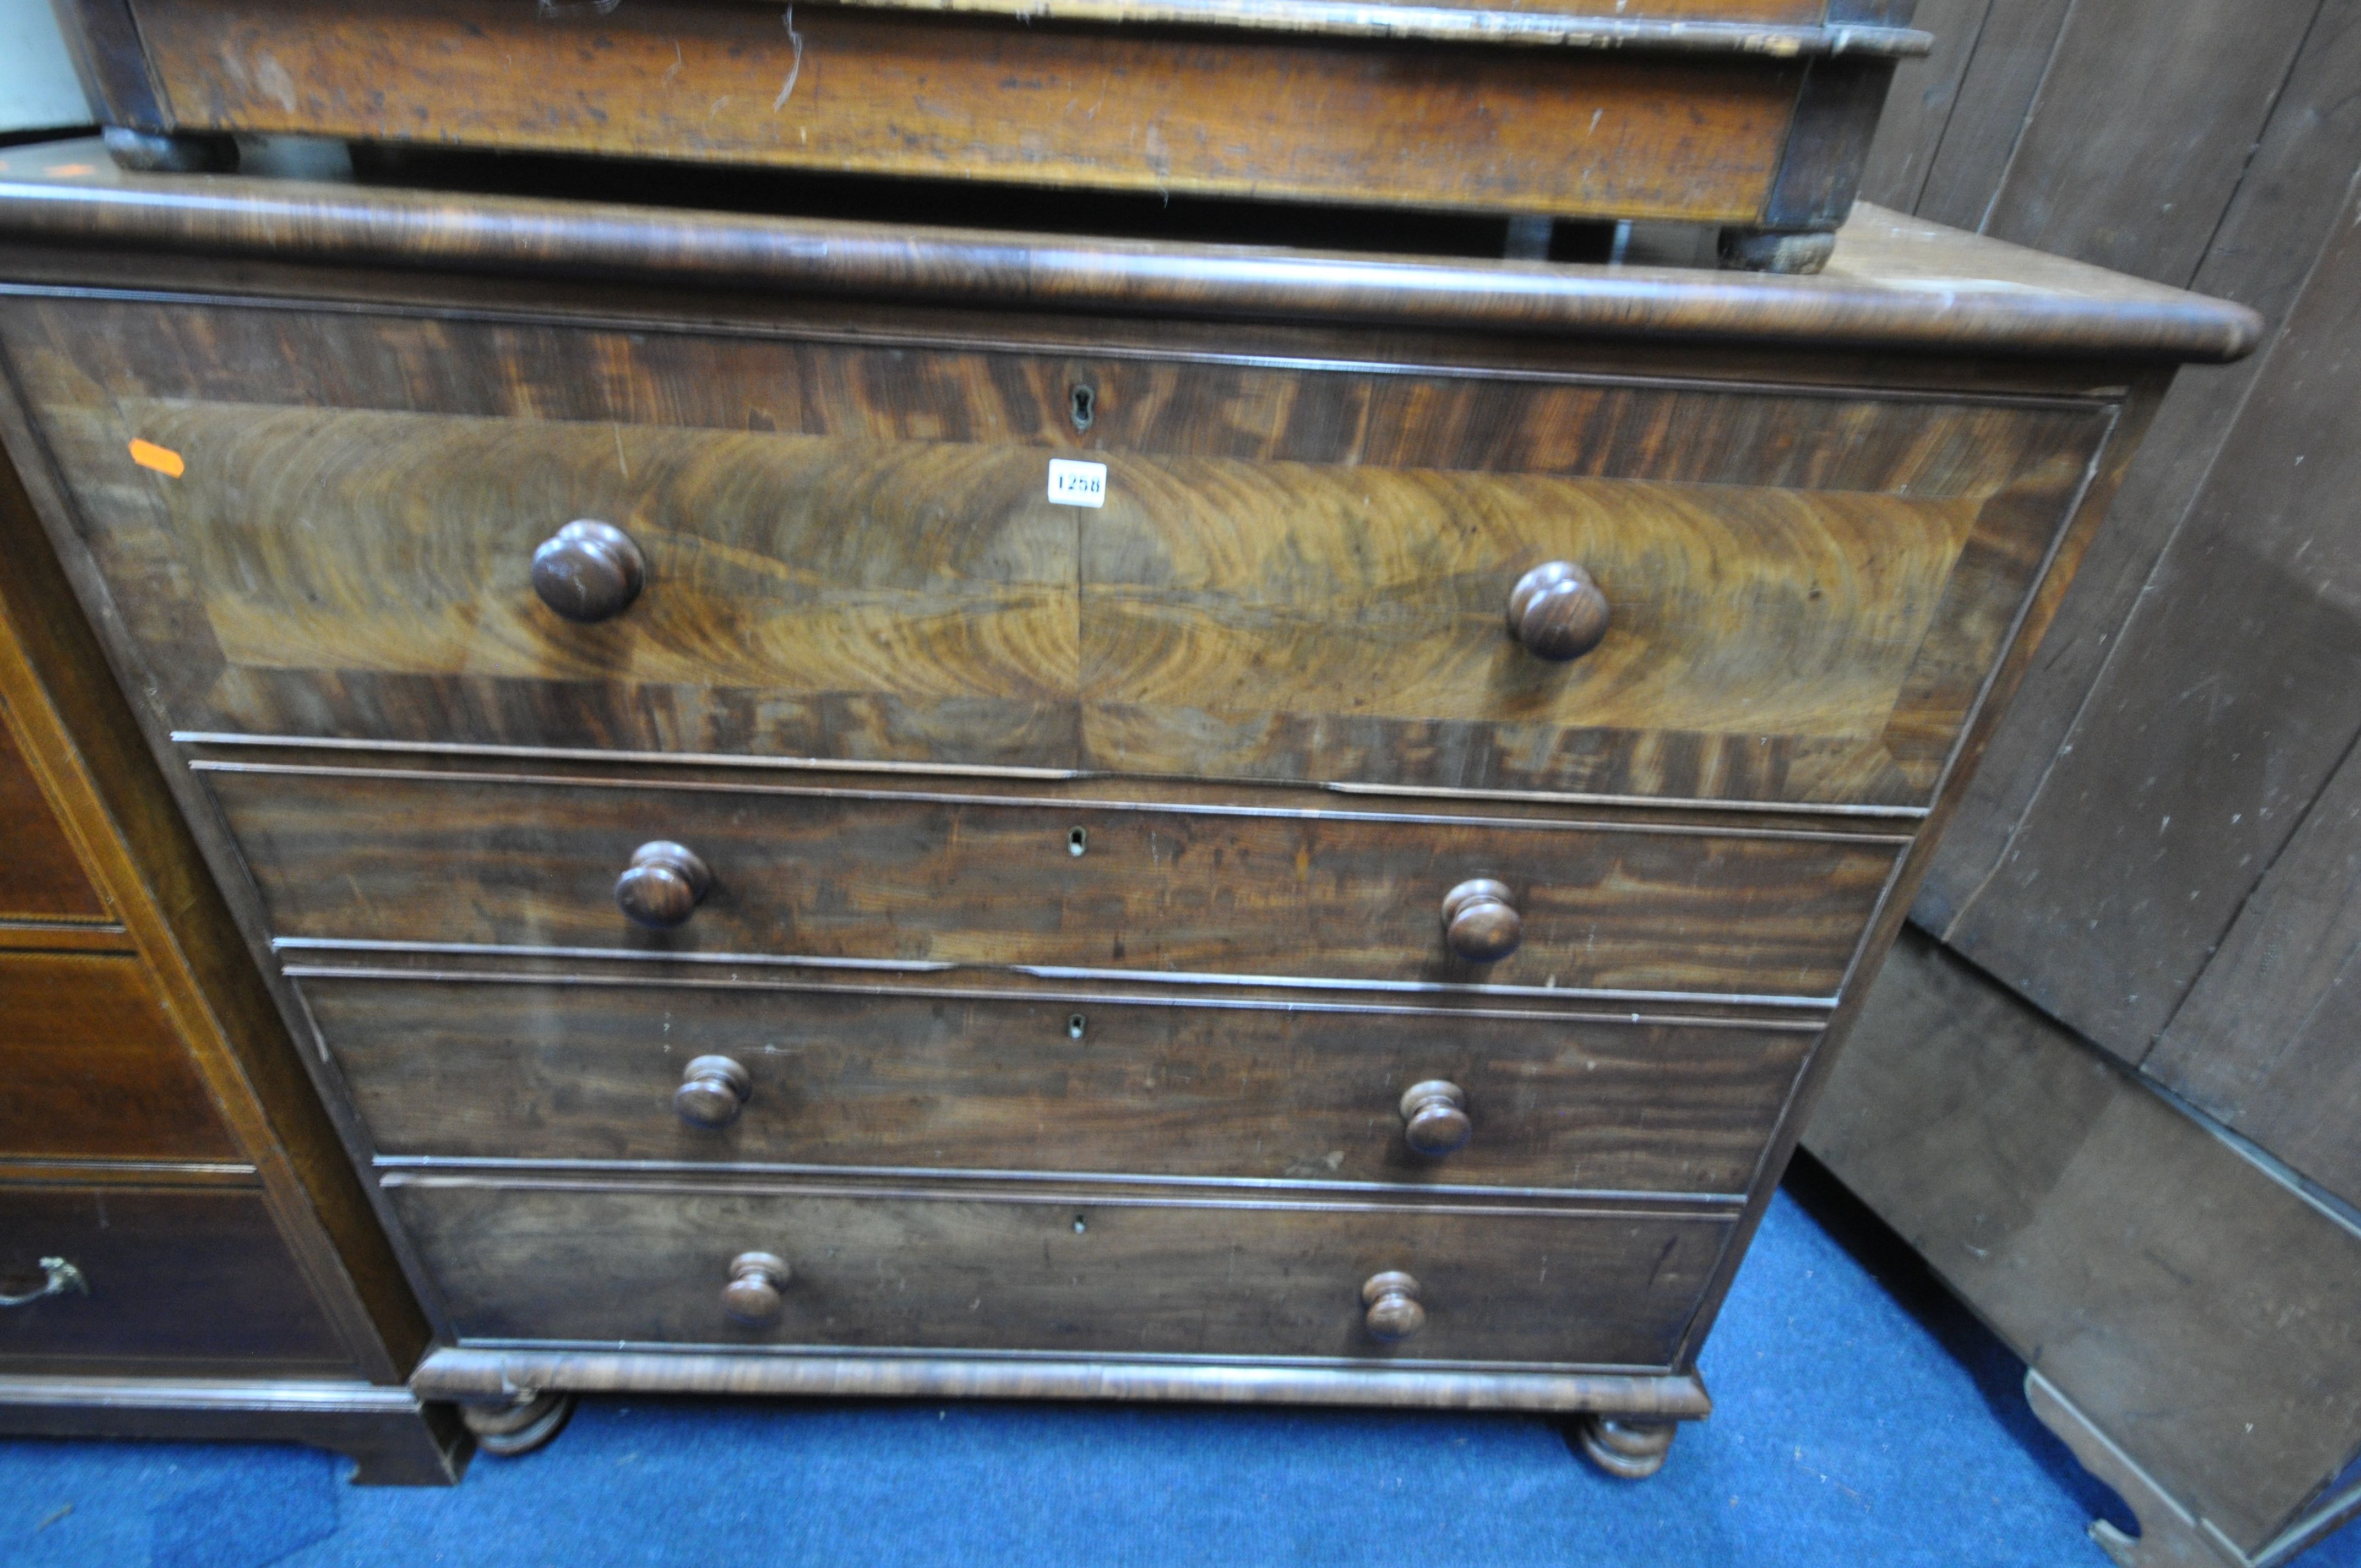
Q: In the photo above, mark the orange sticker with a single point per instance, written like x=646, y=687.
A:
x=163, y=459
x=68, y=170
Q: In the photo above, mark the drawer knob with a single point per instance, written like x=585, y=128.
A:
x=1435, y=1117
x=711, y=1091
x=588, y=571
x=1479, y=923
x=1393, y=1309
x=1557, y=612
x=751, y=1297
x=663, y=885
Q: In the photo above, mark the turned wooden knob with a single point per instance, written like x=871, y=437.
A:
x=662, y=886
x=1479, y=923
x=755, y=1280
x=1435, y=1117
x=1393, y=1309
x=588, y=571
x=711, y=1091
x=1557, y=611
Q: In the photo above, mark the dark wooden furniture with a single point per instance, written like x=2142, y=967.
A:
x=1048, y=842
x=2114, y=1107
x=183, y=1250
x=1749, y=114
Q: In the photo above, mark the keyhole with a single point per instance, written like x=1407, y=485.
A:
x=1074, y=1026
x=1078, y=841
x=1082, y=404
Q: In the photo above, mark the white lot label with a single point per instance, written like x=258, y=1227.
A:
x=1077, y=484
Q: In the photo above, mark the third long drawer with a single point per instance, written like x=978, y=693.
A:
x=937, y=872
x=542, y=1069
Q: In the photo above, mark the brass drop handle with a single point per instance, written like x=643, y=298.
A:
x=1393, y=1312
x=58, y=1277
x=1479, y=924
x=1435, y=1117
x=1557, y=612
x=588, y=571
x=711, y=1091
x=756, y=1278
x=663, y=885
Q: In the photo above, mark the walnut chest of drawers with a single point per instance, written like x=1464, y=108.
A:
x=855, y=809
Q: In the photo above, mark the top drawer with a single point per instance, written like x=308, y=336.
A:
x=1297, y=573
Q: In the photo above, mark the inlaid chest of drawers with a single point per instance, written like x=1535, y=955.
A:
x=853, y=809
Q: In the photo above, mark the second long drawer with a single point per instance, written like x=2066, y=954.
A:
x=587, y=1067
x=920, y=877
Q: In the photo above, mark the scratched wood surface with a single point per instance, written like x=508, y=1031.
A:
x=1299, y=574
x=888, y=1267
x=1569, y=133
x=584, y=1068
x=851, y=873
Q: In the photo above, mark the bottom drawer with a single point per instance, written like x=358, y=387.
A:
x=1057, y=1273
x=166, y=1275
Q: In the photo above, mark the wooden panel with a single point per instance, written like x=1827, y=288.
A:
x=43, y=879
x=942, y=878
x=586, y=1070
x=1096, y=1274
x=2191, y=768
x=863, y=596
x=2266, y=246
x=2199, y=1308
x=2142, y=132
x=95, y=1069
x=1918, y=108
x=2003, y=76
x=1532, y=130
x=174, y=1277
x=2264, y=1041
x=1300, y=574
x=1308, y=624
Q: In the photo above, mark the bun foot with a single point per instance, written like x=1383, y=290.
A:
x=519, y=1426
x=1634, y=1450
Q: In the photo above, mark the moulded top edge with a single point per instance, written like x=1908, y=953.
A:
x=1895, y=284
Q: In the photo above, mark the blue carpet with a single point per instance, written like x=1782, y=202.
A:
x=1863, y=1420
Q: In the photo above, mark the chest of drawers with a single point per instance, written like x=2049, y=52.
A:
x=1750, y=113
x=889, y=811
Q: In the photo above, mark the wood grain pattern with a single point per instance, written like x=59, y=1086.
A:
x=94, y=1068
x=1567, y=133
x=1299, y=574
x=509, y=1067
x=1074, y=1273
x=43, y=878
x=176, y=1278
x=1893, y=285
x=328, y=1250
x=459, y=1374
x=879, y=875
